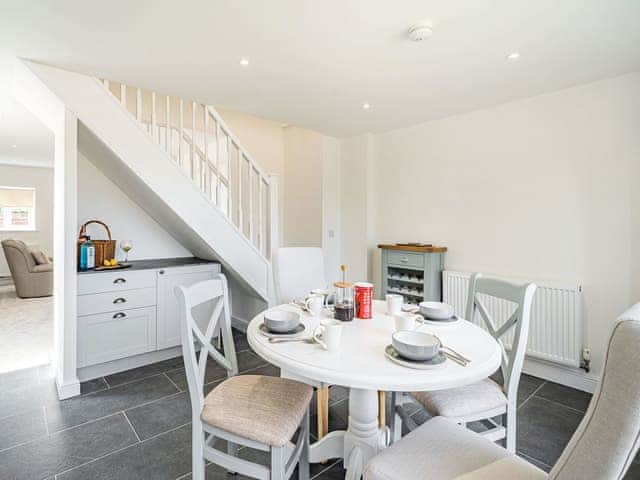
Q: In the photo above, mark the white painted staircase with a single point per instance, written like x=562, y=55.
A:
x=181, y=163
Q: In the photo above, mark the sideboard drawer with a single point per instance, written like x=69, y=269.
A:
x=116, y=301
x=405, y=259
x=110, y=336
x=115, y=281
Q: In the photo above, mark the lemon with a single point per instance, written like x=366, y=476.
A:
x=106, y=263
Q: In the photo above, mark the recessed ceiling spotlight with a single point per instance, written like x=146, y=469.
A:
x=244, y=62
x=420, y=31
x=513, y=56
x=14, y=146
x=366, y=106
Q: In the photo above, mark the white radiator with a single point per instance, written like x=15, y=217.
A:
x=555, y=332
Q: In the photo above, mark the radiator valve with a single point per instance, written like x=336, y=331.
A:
x=586, y=359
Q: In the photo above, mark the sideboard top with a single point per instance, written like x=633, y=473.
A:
x=154, y=263
x=413, y=248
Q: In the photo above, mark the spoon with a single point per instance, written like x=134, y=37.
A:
x=287, y=340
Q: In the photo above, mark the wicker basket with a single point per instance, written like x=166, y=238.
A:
x=105, y=249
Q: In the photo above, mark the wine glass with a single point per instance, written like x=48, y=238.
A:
x=126, y=246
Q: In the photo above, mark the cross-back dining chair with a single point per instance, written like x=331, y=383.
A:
x=487, y=399
x=254, y=411
x=297, y=271
x=603, y=447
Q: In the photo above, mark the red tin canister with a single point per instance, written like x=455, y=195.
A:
x=364, y=300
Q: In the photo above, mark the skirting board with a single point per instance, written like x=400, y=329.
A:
x=67, y=391
x=239, y=323
x=102, y=369
x=567, y=376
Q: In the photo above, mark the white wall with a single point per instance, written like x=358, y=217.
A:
x=356, y=188
x=331, y=213
x=303, y=155
x=538, y=188
x=42, y=180
x=99, y=198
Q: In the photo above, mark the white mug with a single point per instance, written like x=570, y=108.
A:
x=405, y=321
x=394, y=303
x=329, y=335
x=314, y=304
x=325, y=293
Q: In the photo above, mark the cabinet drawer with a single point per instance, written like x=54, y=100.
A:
x=116, y=301
x=110, y=336
x=405, y=259
x=115, y=281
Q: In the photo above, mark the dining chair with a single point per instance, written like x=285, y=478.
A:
x=486, y=399
x=254, y=411
x=297, y=271
x=603, y=447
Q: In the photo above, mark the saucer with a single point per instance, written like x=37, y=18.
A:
x=435, y=362
x=269, y=334
x=450, y=321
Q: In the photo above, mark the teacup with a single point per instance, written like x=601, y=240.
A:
x=314, y=304
x=329, y=335
x=405, y=321
x=325, y=294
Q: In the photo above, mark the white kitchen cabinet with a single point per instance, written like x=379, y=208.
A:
x=130, y=316
x=113, y=335
x=168, y=315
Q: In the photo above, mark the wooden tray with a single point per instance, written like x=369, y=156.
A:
x=114, y=267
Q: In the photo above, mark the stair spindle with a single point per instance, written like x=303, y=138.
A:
x=181, y=127
x=168, y=136
x=154, y=129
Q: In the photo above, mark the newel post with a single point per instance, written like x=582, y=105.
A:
x=274, y=231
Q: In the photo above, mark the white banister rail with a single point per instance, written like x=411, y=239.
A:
x=206, y=165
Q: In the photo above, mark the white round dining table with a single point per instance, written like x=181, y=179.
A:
x=360, y=364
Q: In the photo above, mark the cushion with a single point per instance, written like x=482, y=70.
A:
x=39, y=257
x=464, y=401
x=265, y=409
x=443, y=450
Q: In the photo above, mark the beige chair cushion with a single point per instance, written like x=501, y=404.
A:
x=264, y=409
x=443, y=450
x=461, y=402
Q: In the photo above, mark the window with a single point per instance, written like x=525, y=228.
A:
x=17, y=208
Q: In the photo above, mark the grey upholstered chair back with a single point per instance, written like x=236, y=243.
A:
x=19, y=257
x=31, y=280
x=607, y=439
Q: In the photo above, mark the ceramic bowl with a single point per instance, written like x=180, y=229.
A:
x=436, y=310
x=418, y=346
x=281, y=321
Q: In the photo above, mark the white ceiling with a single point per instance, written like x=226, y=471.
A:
x=314, y=63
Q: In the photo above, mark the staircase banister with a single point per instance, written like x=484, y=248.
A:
x=227, y=131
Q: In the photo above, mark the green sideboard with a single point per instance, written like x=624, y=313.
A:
x=415, y=272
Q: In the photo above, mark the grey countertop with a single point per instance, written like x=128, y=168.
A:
x=154, y=263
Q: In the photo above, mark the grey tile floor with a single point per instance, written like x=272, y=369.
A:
x=135, y=424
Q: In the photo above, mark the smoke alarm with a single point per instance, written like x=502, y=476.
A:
x=420, y=31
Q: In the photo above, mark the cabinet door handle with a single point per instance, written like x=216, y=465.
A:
x=404, y=259
x=161, y=272
x=120, y=315
x=119, y=280
x=120, y=300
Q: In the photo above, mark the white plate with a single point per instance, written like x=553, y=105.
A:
x=435, y=362
x=269, y=334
